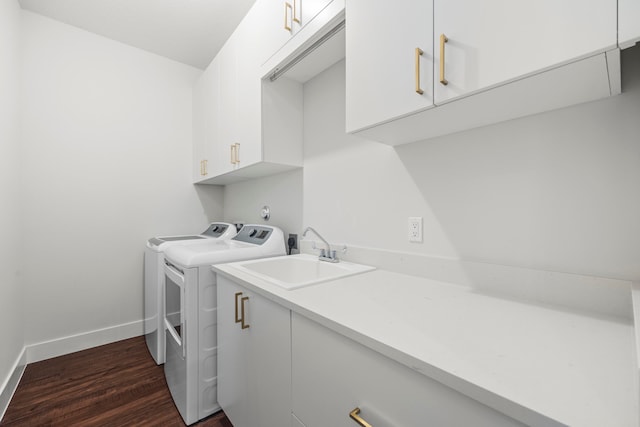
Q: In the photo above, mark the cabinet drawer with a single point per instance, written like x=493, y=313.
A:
x=332, y=375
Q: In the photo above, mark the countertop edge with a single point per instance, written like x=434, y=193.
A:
x=491, y=399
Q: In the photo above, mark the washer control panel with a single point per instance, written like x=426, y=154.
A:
x=215, y=230
x=255, y=234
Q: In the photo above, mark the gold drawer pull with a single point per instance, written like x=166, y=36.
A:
x=443, y=40
x=244, y=299
x=287, y=8
x=238, y=319
x=419, y=53
x=357, y=418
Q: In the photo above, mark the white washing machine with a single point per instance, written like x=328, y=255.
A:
x=154, y=281
x=191, y=313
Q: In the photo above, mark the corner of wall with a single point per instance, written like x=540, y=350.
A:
x=10, y=384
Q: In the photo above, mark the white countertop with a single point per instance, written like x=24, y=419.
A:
x=540, y=365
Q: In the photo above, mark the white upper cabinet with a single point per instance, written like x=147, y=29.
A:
x=492, y=61
x=628, y=23
x=227, y=103
x=285, y=18
x=253, y=126
x=389, y=51
x=205, y=122
x=492, y=42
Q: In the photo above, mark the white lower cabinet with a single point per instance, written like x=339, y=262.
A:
x=254, y=358
x=333, y=375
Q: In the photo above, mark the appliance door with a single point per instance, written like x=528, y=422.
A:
x=181, y=357
x=174, y=318
x=154, y=303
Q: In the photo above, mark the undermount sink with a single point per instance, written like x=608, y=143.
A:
x=297, y=271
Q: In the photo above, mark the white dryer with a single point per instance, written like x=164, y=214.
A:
x=191, y=313
x=154, y=280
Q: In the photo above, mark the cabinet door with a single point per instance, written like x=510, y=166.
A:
x=232, y=356
x=248, y=120
x=227, y=107
x=306, y=10
x=199, y=150
x=205, y=122
x=384, y=75
x=285, y=18
x=496, y=41
x=629, y=22
x=269, y=366
x=254, y=363
x=333, y=375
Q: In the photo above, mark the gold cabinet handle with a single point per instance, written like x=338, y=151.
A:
x=357, y=418
x=235, y=153
x=295, y=12
x=243, y=300
x=419, y=53
x=287, y=8
x=443, y=40
x=203, y=167
x=238, y=319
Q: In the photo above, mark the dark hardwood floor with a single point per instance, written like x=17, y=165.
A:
x=117, y=384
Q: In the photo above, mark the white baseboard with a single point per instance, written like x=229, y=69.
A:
x=71, y=344
x=11, y=383
x=59, y=347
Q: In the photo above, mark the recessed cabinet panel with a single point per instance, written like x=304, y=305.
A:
x=389, y=60
x=344, y=376
x=629, y=22
x=494, y=41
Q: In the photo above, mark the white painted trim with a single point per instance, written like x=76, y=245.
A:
x=595, y=295
x=10, y=384
x=70, y=344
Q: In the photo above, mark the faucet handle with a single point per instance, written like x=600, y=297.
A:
x=323, y=253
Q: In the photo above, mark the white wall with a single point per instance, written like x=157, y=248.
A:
x=556, y=191
x=106, y=133
x=11, y=296
x=244, y=200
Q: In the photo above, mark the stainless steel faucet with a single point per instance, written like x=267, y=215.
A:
x=325, y=254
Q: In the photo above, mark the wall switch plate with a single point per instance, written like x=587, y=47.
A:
x=415, y=229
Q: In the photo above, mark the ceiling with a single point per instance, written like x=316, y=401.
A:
x=187, y=31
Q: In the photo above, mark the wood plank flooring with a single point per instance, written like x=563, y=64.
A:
x=117, y=384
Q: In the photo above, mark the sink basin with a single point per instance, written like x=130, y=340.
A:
x=297, y=271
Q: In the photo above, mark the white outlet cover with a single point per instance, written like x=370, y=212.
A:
x=415, y=229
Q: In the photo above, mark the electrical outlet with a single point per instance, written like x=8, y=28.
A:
x=294, y=240
x=415, y=229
